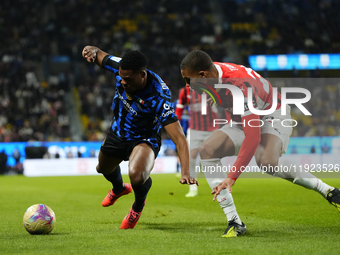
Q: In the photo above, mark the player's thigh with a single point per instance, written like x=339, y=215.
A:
x=269, y=150
x=193, y=153
x=280, y=126
x=106, y=164
x=141, y=161
x=218, y=145
x=197, y=137
x=275, y=134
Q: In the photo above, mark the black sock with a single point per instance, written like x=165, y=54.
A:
x=141, y=191
x=116, y=179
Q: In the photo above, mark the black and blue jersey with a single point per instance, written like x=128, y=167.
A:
x=140, y=116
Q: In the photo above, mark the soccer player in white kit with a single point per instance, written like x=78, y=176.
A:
x=247, y=139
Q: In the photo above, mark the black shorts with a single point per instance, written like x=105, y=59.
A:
x=115, y=147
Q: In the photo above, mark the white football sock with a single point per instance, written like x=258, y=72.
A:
x=192, y=187
x=225, y=198
x=302, y=178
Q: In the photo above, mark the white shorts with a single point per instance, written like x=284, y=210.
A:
x=272, y=124
x=197, y=137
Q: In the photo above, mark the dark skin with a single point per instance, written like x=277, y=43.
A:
x=219, y=144
x=142, y=158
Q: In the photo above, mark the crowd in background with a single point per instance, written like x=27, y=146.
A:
x=32, y=103
x=324, y=107
x=283, y=26
x=30, y=109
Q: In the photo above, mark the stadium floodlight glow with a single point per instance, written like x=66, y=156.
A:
x=294, y=61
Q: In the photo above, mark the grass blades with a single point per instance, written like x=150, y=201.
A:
x=281, y=218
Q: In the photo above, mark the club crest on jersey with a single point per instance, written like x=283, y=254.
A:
x=128, y=96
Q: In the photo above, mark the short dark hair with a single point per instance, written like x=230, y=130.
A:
x=196, y=61
x=133, y=60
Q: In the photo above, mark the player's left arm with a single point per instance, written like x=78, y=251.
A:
x=176, y=134
x=250, y=143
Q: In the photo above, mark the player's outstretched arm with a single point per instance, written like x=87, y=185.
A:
x=247, y=150
x=176, y=134
x=93, y=54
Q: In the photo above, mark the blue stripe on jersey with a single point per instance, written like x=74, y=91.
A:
x=159, y=105
x=144, y=115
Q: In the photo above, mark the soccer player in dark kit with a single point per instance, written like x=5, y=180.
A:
x=141, y=107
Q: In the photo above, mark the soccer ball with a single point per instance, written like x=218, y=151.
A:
x=39, y=219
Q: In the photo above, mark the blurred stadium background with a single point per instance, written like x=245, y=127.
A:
x=54, y=104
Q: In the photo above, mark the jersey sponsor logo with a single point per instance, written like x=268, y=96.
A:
x=166, y=106
x=127, y=106
x=166, y=114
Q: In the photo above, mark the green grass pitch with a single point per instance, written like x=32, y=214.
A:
x=281, y=218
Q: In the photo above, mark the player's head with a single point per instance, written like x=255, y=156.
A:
x=197, y=64
x=132, y=70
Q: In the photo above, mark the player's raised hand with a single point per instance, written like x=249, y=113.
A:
x=186, y=179
x=226, y=184
x=90, y=53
